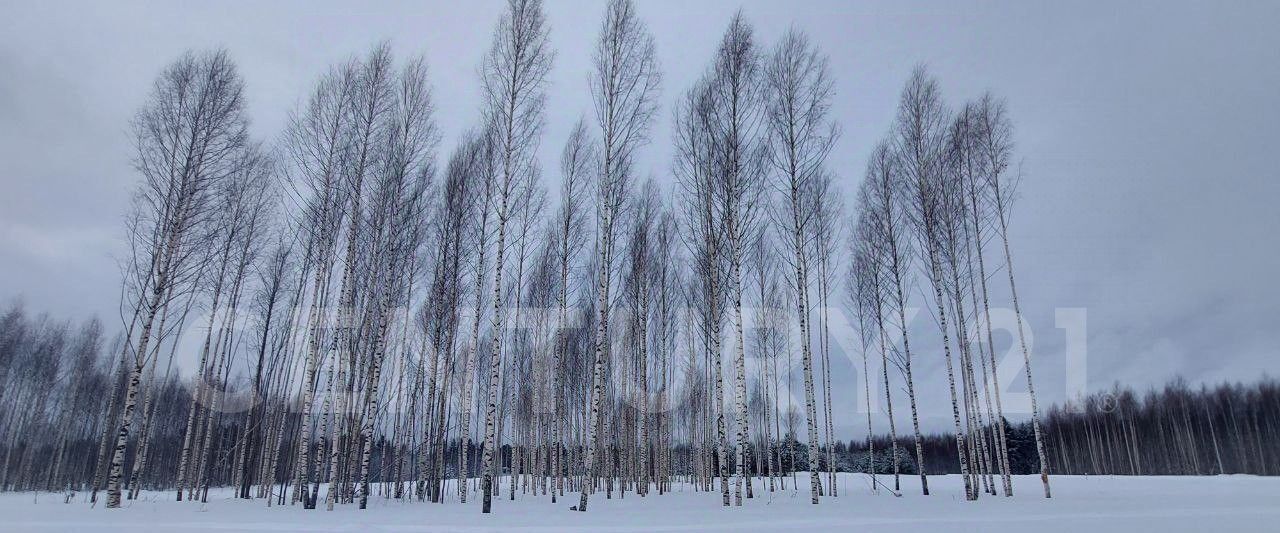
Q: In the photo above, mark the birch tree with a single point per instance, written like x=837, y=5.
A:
x=453, y=222
x=513, y=77
x=881, y=241
x=576, y=164
x=995, y=142
x=486, y=170
x=696, y=172
x=827, y=205
x=973, y=166
x=315, y=140
x=800, y=137
x=370, y=109
x=861, y=288
x=623, y=88
x=920, y=139
x=190, y=135
x=735, y=94
x=399, y=210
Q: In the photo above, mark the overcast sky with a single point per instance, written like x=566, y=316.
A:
x=1147, y=134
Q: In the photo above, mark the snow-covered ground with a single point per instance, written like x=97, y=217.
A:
x=1090, y=504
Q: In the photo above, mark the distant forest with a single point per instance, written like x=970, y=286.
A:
x=1179, y=429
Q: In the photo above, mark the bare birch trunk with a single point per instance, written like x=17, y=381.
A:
x=740, y=379
x=960, y=435
x=495, y=368
x=1026, y=357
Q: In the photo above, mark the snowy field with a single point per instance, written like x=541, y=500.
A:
x=1091, y=504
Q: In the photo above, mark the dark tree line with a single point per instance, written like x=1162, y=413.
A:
x=1177, y=429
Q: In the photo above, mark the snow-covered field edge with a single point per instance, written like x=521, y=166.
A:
x=1095, y=504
